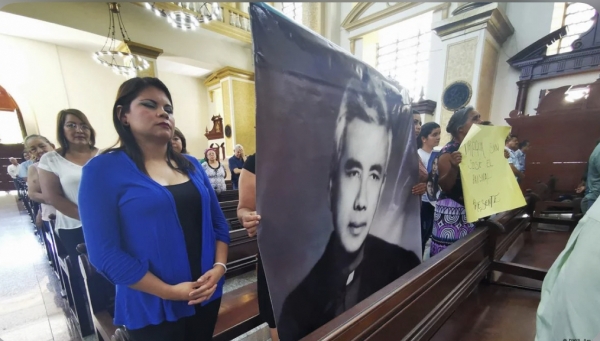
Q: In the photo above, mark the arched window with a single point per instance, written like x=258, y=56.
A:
x=403, y=52
x=292, y=10
x=578, y=17
x=12, y=128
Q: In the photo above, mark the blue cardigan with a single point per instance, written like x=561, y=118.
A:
x=131, y=226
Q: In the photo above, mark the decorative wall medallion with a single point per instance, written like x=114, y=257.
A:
x=228, y=131
x=456, y=95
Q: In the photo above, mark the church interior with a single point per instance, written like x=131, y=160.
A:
x=533, y=66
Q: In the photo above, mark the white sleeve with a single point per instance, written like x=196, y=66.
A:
x=48, y=162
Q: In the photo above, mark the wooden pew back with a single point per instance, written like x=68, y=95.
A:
x=228, y=195
x=415, y=305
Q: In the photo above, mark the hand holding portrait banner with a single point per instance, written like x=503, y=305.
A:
x=489, y=185
x=338, y=161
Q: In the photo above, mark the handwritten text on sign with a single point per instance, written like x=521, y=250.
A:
x=489, y=186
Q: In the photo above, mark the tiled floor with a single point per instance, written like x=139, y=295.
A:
x=31, y=307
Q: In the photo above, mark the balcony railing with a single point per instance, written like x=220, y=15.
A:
x=231, y=22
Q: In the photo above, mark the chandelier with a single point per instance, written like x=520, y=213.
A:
x=187, y=15
x=122, y=63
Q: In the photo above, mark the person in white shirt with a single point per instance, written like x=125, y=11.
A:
x=38, y=146
x=13, y=168
x=13, y=171
x=59, y=175
x=24, y=166
x=427, y=139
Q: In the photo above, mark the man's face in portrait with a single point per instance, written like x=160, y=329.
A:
x=360, y=179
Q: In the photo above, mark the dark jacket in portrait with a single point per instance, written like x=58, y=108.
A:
x=331, y=288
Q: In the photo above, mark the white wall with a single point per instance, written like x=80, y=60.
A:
x=527, y=31
x=35, y=83
x=437, y=65
x=190, y=106
x=45, y=78
x=91, y=88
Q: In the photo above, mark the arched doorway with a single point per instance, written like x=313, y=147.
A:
x=12, y=132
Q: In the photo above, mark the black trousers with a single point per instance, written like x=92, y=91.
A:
x=427, y=212
x=265, y=307
x=199, y=327
x=70, y=239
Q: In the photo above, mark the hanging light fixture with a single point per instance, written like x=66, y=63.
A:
x=122, y=63
x=190, y=15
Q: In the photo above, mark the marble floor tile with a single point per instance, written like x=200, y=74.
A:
x=31, y=307
x=239, y=281
x=63, y=328
x=18, y=318
x=37, y=330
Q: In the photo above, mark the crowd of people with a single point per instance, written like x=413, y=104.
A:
x=145, y=190
x=136, y=206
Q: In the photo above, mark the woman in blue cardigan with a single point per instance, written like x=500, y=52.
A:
x=152, y=223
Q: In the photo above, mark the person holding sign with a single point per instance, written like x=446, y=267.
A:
x=450, y=222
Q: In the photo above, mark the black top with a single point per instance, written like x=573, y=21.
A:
x=188, y=203
x=339, y=281
x=250, y=164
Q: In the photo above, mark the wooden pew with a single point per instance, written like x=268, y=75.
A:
x=101, y=296
x=237, y=315
x=229, y=208
x=548, y=206
x=416, y=305
x=242, y=253
x=74, y=294
x=228, y=195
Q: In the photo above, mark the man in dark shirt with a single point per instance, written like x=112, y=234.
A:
x=236, y=163
x=355, y=264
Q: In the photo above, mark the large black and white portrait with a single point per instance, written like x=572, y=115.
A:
x=335, y=171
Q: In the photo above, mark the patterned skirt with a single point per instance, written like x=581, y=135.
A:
x=449, y=225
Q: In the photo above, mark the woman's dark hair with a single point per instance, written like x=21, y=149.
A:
x=426, y=130
x=523, y=144
x=61, y=119
x=129, y=91
x=210, y=150
x=458, y=119
x=510, y=137
x=179, y=134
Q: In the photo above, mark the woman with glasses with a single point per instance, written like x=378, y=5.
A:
x=59, y=176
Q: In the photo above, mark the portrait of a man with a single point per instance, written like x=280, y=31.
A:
x=433, y=188
x=355, y=264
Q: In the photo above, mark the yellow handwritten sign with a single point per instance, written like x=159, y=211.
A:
x=489, y=185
